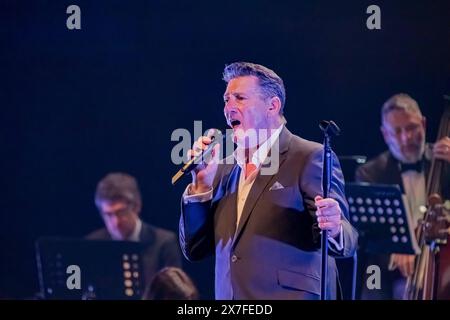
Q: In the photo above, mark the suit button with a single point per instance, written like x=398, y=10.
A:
x=234, y=258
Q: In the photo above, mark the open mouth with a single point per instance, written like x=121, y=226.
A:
x=235, y=123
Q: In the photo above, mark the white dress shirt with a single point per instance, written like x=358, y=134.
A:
x=415, y=190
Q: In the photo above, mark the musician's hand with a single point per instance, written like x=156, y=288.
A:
x=441, y=149
x=404, y=262
x=328, y=215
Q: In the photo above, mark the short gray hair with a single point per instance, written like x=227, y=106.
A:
x=400, y=101
x=271, y=84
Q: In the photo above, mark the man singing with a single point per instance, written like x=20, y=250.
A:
x=263, y=226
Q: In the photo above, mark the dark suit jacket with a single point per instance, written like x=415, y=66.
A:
x=275, y=251
x=161, y=248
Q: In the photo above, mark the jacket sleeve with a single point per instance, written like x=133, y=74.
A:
x=196, y=226
x=196, y=229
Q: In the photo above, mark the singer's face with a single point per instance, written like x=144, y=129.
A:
x=404, y=133
x=245, y=106
x=119, y=218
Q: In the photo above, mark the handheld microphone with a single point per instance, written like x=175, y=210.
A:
x=195, y=161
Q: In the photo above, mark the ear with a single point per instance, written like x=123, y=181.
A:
x=424, y=123
x=138, y=209
x=274, y=106
x=384, y=133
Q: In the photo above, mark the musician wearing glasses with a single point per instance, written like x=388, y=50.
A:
x=406, y=163
x=119, y=203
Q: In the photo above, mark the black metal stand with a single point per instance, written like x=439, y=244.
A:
x=329, y=129
x=380, y=214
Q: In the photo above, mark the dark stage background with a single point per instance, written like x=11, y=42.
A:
x=78, y=104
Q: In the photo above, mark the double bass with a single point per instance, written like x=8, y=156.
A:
x=431, y=277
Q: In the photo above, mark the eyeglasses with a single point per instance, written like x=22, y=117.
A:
x=121, y=213
x=409, y=129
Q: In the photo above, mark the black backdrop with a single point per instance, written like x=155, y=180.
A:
x=78, y=104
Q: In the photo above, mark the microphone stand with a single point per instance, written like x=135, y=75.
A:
x=329, y=129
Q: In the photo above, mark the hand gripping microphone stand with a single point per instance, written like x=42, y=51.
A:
x=329, y=129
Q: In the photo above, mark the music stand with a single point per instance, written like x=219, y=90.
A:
x=349, y=163
x=109, y=270
x=382, y=219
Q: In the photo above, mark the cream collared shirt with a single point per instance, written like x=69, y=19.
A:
x=258, y=158
x=415, y=190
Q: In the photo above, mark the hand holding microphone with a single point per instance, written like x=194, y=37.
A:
x=204, y=159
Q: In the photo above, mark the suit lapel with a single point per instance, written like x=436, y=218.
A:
x=230, y=201
x=261, y=182
x=147, y=234
x=393, y=174
x=253, y=196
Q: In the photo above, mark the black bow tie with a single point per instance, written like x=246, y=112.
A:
x=417, y=166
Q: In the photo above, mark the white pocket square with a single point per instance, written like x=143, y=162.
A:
x=276, y=186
